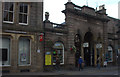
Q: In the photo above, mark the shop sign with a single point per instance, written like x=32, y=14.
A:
x=58, y=46
x=85, y=44
x=47, y=59
x=98, y=45
x=38, y=51
x=109, y=48
x=48, y=53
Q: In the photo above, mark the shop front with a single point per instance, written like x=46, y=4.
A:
x=58, y=51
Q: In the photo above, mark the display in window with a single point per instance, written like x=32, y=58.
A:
x=57, y=53
x=23, y=57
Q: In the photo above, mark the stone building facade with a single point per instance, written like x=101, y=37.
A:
x=90, y=26
x=94, y=29
x=21, y=29
x=89, y=31
x=30, y=44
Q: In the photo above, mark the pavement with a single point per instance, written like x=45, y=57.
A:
x=110, y=70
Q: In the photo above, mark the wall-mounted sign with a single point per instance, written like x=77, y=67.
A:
x=98, y=45
x=85, y=44
x=11, y=31
x=47, y=59
x=58, y=45
x=38, y=51
x=109, y=48
x=48, y=53
x=41, y=37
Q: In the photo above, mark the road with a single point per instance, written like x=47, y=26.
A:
x=87, y=72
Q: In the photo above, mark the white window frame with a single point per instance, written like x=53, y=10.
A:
x=25, y=14
x=30, y=56
x=8, y=12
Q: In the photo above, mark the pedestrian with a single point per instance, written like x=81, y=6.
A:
x=57, y=63
x=80, y=62
x=98, y=62
x=105, y=63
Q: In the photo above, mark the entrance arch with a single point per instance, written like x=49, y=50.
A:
x=88, y=49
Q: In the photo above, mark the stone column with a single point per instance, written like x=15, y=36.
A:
x=95, y=55
x=14, y=53
x=105, y=43
x=82, y=50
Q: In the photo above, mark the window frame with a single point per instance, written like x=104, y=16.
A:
x=8, y=12
x=29, y=53
x=24, y=14
x=9, y=57
x=63, y=51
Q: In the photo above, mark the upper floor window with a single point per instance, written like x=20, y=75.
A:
x=8, y=12
x=23, y=13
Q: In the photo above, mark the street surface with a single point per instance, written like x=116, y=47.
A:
x=88, y=71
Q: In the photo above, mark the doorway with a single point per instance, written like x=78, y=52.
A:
x=88, y=49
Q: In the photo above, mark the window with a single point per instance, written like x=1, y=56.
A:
x=23, y=13
x=8, y=12
x=24, y=51
x=58, y=52
x=5, y=50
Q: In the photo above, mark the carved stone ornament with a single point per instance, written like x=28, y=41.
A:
x=46, y=15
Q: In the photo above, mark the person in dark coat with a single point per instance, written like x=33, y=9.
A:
x=98, y=62
x=80, y=61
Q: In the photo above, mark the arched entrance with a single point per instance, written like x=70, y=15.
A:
x=77, y=43
x=88, y=49
x=58, y=52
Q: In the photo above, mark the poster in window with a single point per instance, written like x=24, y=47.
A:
x=23, y=57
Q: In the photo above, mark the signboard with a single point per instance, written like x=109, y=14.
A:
x=98, y=45
x=38, y=51
x=58, y=46
x=47, y=59
x=109, y=48
x=41, y=38
x=85, y=45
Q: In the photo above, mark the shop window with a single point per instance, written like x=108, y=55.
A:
x=24, y=51
x=8, y=12
x=58, y=52
x=5, y=51
x=23, y=13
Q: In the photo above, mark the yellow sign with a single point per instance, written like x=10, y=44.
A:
x=47, y=59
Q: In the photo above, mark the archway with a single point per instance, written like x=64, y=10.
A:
x=58, y=52
x=77, y=43
x=88, y=49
